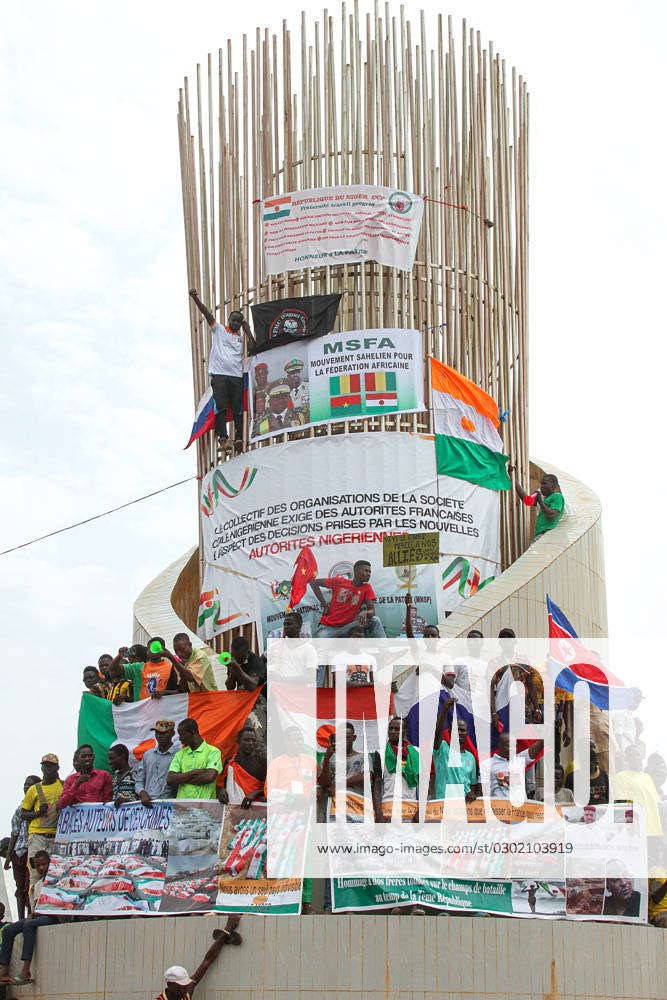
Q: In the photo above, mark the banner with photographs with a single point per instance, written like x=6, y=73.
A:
x=180, y=856
x=277, y=518
x=243, y=885
x=363, y=373
x=289, y=321
x=341, y=225
x=623, y=900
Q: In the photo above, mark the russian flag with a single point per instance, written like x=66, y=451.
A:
x=570, y=661
x=205, y=416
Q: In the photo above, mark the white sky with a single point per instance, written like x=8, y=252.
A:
x=96, y=394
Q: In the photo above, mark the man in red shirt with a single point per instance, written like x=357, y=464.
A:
x=89, y=785
x=352, y=603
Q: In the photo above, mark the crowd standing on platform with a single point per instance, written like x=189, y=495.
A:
x=181, y=764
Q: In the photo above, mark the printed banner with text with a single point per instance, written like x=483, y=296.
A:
x=179, y=856
x=341, y=225
x=574, y=899
x=363, y=373
x=278, y=518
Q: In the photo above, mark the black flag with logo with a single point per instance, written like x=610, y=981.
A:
x=285, y=321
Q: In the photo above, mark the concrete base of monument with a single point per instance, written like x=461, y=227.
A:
x=417, y=958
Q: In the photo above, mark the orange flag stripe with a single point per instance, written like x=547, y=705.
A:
x=446, y=379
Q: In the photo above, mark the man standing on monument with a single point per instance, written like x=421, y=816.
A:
x=225, y=366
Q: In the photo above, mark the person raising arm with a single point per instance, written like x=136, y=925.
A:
x=225, y=366
x=179, y=984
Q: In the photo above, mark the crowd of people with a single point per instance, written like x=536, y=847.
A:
x=182, y=764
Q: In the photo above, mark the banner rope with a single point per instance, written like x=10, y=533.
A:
x=96, y=517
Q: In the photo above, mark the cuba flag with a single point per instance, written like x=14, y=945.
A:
x=204, y=417
x=570, y=661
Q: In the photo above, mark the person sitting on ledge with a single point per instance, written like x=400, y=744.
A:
x=179, y=984
x=28, y=928
x=352, y=603
x=548, y=498
x=225, y=366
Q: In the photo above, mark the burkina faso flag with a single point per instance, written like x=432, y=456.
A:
x=345, y=396
x=380, y=392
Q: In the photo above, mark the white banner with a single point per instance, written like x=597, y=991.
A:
x=319, y=505
x=341, y=225
x=341, y=376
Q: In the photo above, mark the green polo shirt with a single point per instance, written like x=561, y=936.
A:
x=542, y=523
x=464, y=773
x=203, y=757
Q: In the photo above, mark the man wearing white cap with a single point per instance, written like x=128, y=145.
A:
x=179, y=984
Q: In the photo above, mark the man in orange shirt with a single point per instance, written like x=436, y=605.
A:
x=158, y=675
x=292, y=775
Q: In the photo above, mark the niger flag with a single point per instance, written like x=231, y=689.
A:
x=467, y=443
x=219, y=714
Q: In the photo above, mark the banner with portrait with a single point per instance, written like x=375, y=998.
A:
x=349, y=376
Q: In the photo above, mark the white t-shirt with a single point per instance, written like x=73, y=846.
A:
x=356, y=666
x=502, y=774
x=389, y=784
x=226, y=352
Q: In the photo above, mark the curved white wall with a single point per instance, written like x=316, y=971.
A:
x=350, y=957
x=567, y=563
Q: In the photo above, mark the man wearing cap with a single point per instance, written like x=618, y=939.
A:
x=150, y=777
x=179, y=984
x=299, y=391
x=281, y=410
x=40, y=810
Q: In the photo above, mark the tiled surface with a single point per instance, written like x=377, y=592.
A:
x=347, y=957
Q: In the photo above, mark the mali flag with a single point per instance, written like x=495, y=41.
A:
x=345, y=396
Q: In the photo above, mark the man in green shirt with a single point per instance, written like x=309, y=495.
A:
x=194, y=769
x=446, y=773
x=548, y=498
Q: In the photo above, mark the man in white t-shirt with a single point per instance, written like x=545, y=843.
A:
x=358, y=667
x=505, y=772
x=225, y=366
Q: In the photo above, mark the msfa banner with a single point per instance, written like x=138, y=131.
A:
x=362, y=373
x=341, y=225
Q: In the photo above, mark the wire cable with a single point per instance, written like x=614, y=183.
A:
x=96, y=517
